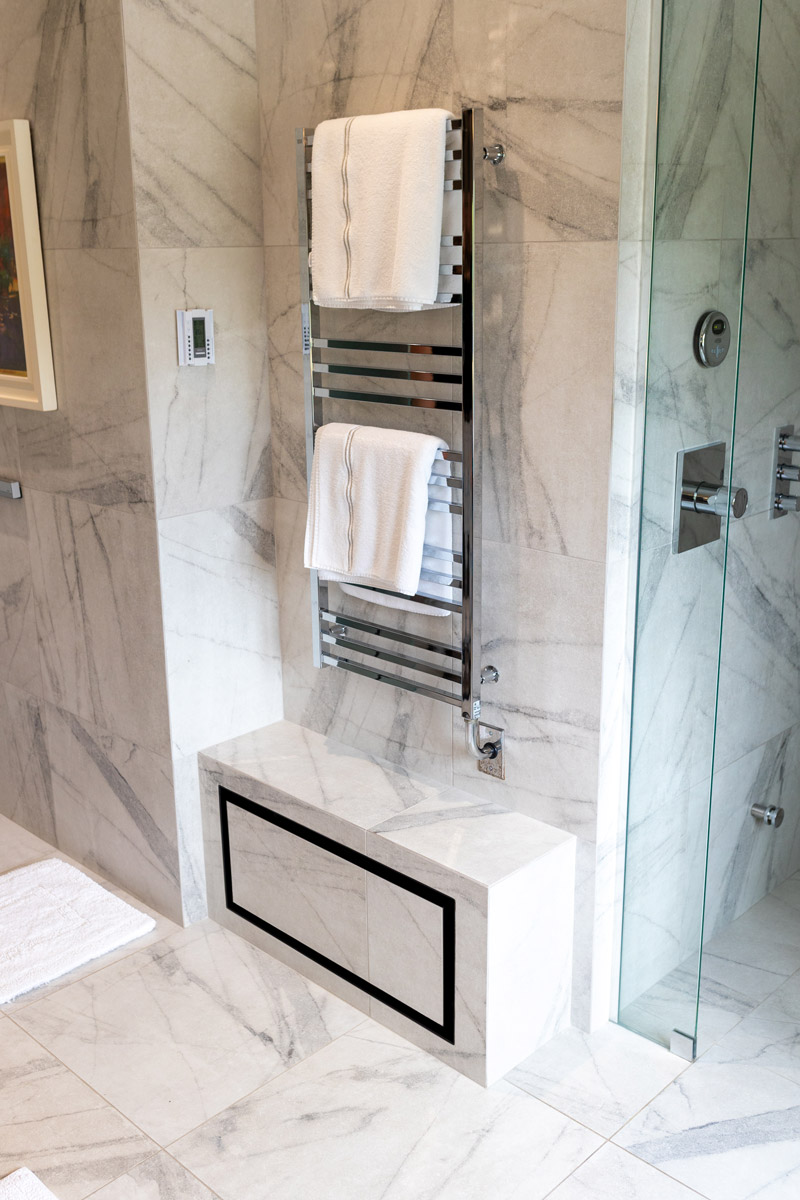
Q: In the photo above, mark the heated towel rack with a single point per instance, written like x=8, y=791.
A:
x=337, y=636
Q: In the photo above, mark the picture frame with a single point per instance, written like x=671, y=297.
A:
x=27, y=378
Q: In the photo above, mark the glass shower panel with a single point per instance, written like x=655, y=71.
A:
x=748, y=927
x=706, y=101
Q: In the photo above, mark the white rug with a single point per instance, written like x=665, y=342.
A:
x=53, y=918
x=23, y=1185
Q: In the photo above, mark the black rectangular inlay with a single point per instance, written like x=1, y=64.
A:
x=446, y=1029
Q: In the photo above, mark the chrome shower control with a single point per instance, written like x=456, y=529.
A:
x=703, y=498
x=712, y=339
x=784, y=472
x=702, y=501
x=770, y=814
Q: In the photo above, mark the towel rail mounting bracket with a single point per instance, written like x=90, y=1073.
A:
x=485, y=743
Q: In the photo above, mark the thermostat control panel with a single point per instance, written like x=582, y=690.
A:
x=195, y=337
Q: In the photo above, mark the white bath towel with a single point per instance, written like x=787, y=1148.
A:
x=377, y=193
x=23, y=1185
x=53, y=918
x=438, y=532
x=368, y=505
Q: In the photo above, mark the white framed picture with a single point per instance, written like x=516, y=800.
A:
x=27, y=379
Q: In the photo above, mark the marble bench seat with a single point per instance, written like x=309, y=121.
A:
x=446, y=918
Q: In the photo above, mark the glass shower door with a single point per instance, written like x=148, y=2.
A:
x=709, y=61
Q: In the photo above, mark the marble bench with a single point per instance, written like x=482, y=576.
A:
x=445, y=918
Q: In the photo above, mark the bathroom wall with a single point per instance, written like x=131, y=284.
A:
x=193, y=99
x=84, y=736
x=549, y=77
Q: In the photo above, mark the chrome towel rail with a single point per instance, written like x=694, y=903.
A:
x=336, y=635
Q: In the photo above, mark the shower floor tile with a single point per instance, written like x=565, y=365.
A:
x=770, y=1036
x=600, y=1079
x=160, y=1178
x=731, y=1131
x=371, y=1115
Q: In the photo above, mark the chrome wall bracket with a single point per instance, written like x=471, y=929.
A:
x=10, y=489
x=684, y=1045
x=494, y=154
x=769, y=814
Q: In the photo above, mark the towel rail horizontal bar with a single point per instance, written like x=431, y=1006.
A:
x=408, y=685
x=440, y=552
x=388, y=347
x=442, y=506
x=377, y=398
x=393, y=635
x=449, y=481
x=419, y=597
x=444, y=580
x=399, y=660
x=323, y=368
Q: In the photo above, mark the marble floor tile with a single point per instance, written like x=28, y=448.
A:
x=18, y=848
x=600, y=1079
x=160, y=1178
x=613, y=1174
x=58, y=1127
x=769, y=1036
x=766, y=937
x=173, y=1034
x=373, y=1116
x=729, y=1130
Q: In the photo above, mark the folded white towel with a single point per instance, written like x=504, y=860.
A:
x=438, y=532
x=378, y=192
x=23, y=1185
x=368, y=505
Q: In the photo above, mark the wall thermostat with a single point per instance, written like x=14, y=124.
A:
x=195, y=337
x=712, y=339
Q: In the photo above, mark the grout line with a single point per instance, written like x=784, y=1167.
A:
x=116, y=1178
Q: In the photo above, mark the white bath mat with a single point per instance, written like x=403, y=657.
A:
x=23, y=1185
x=53, y=918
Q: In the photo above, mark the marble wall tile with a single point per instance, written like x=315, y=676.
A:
x=391, y=1122
x=19, y=56
x=320, y=61
x=774, y=211
x=760, y=668
x=548, y=654
x=179, y=1031
x=745, y=862
x=96, y=446
x=548, y=329
x=221, y=623
x=407, y=730
x=302, y=889
x=563, y=126
x=81, y=135
x=210, y=425
x=9, y=448
x=194, y=122
x=160, y=1178
x=98, y=606
x=189, y=821
x=25, y=786
x=19, y=648
x=55, y=1125
x=114, y=809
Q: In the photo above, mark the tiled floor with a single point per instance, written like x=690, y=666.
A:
x=190, y=1066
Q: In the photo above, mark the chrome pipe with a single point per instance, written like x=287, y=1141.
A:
x=487, y=750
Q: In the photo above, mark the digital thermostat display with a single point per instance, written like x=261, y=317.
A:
x=195, y=337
